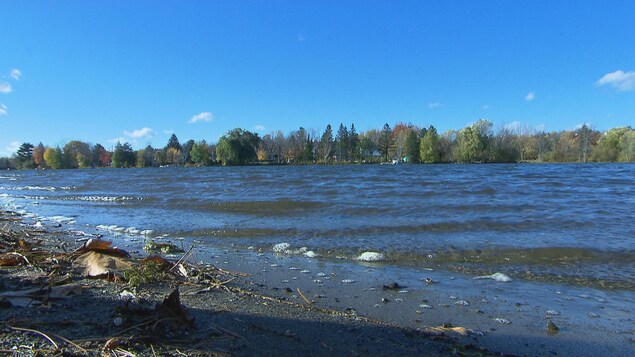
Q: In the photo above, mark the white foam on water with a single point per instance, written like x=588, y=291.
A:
x=61, y=219
x=500, y=277
x=371, y=257
x=311, y=254
x=281, y=247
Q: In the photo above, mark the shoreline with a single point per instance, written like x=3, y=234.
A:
x=232, y=319
x=479, y=315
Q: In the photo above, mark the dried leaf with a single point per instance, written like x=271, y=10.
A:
x=456, y=329
x=9, y=262
x=159, y=261
x=102, y=246
x=96, y=264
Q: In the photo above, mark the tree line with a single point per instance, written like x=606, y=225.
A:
x=403, y=143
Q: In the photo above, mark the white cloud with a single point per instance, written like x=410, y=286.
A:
x=260, y=128
x=5, y=87
x=16, y=74
x=204, y=116
x=139, y=133
x=619, y=80
x=3, y=109
x=435, y=105
x=530, y=96
x=11, y=149
x=514, y=126
x=168, y=132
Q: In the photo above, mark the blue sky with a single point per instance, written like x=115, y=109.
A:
x=136, y=71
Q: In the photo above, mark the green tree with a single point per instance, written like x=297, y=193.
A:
x=186, y=155
x=412, y=147
x=201, y=153
x=385, y=141
x=429, y=147
x=474, y=142
x=123, y=156
x=24, y=156
x=77, y=154
x=237, y=147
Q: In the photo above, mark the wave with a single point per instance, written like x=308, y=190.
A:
x=36, y=188
x=258, y=208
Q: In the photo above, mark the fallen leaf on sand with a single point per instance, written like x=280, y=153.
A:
x=456, y=329
x=9, y=262
x=102, y=246
x=95, y=264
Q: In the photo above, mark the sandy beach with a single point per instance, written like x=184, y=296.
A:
x=285, y=304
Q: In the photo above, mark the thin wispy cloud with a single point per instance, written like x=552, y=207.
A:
x=120, y=140
x=618, y=80
x=139, y=133
x=5, y=87
x=204, y=117
x=486, y=107
x=530, y=96
x=435, y=105
x=16, y=74
x=260, y=128
x=168, y=132
x=579, y=126
x=3, y=109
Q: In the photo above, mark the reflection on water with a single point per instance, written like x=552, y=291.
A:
x=560, y=223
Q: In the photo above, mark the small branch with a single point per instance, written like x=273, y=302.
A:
x=37, y=333
x=303, y=297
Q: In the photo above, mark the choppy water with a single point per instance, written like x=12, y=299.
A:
x=570, y=224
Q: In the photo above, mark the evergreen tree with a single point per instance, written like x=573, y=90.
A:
x=325, y=147
x=173, y=142
x=385, y=141
x=342, y=143
x=354, y=153
x=24, y=156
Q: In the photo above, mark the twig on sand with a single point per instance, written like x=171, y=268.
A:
x=70, y=342
x=303, y=297
x=37, y=333
x=183, y=258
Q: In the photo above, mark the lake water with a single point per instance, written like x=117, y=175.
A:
x=564, y=224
